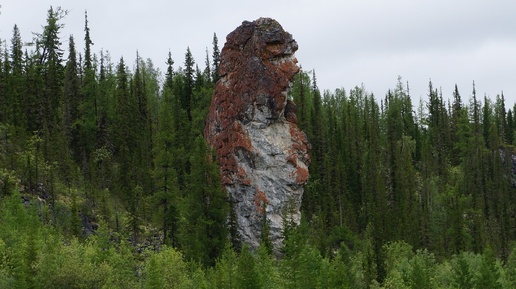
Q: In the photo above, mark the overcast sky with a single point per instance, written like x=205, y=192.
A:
x=347, y=42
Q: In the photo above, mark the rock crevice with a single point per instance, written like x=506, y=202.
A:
x=252, y=126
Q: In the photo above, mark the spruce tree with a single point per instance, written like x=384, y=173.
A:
x=456, y=116
x=317, y=139
x=125, y=142
x=204, y=235
x=207, y=75
x=142, y=127
x=215, y=59
x=186, y=100
x=165, y=176
x=3, y=86
x=71, y=102
x=49, y=61
x=89, y=111
x=34, y=94
x=510, y=127
x=474, y=180
x=486, y=121
x=16, y=85
x=501, y=117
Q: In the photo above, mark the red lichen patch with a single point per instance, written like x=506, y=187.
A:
x=289, y=67
x=242, y=176
x=261, y=201
x=301, y=175
x=240, y=138
x=300, y=145
x=274, y=49
x=292, y=159
x=256, y=67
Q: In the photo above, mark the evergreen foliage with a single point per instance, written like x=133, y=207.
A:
x=106, y=181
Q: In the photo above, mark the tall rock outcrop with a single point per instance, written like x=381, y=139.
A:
x=251, y=125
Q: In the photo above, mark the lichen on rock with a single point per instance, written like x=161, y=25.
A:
x=252, y=126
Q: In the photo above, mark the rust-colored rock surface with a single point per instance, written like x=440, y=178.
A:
x=252, y=126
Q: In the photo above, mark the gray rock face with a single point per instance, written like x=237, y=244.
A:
x=263, y=156
x=270, y=172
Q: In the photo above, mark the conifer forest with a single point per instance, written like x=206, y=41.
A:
x=105, y=179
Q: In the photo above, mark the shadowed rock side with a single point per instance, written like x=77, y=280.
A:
x=263, y=156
